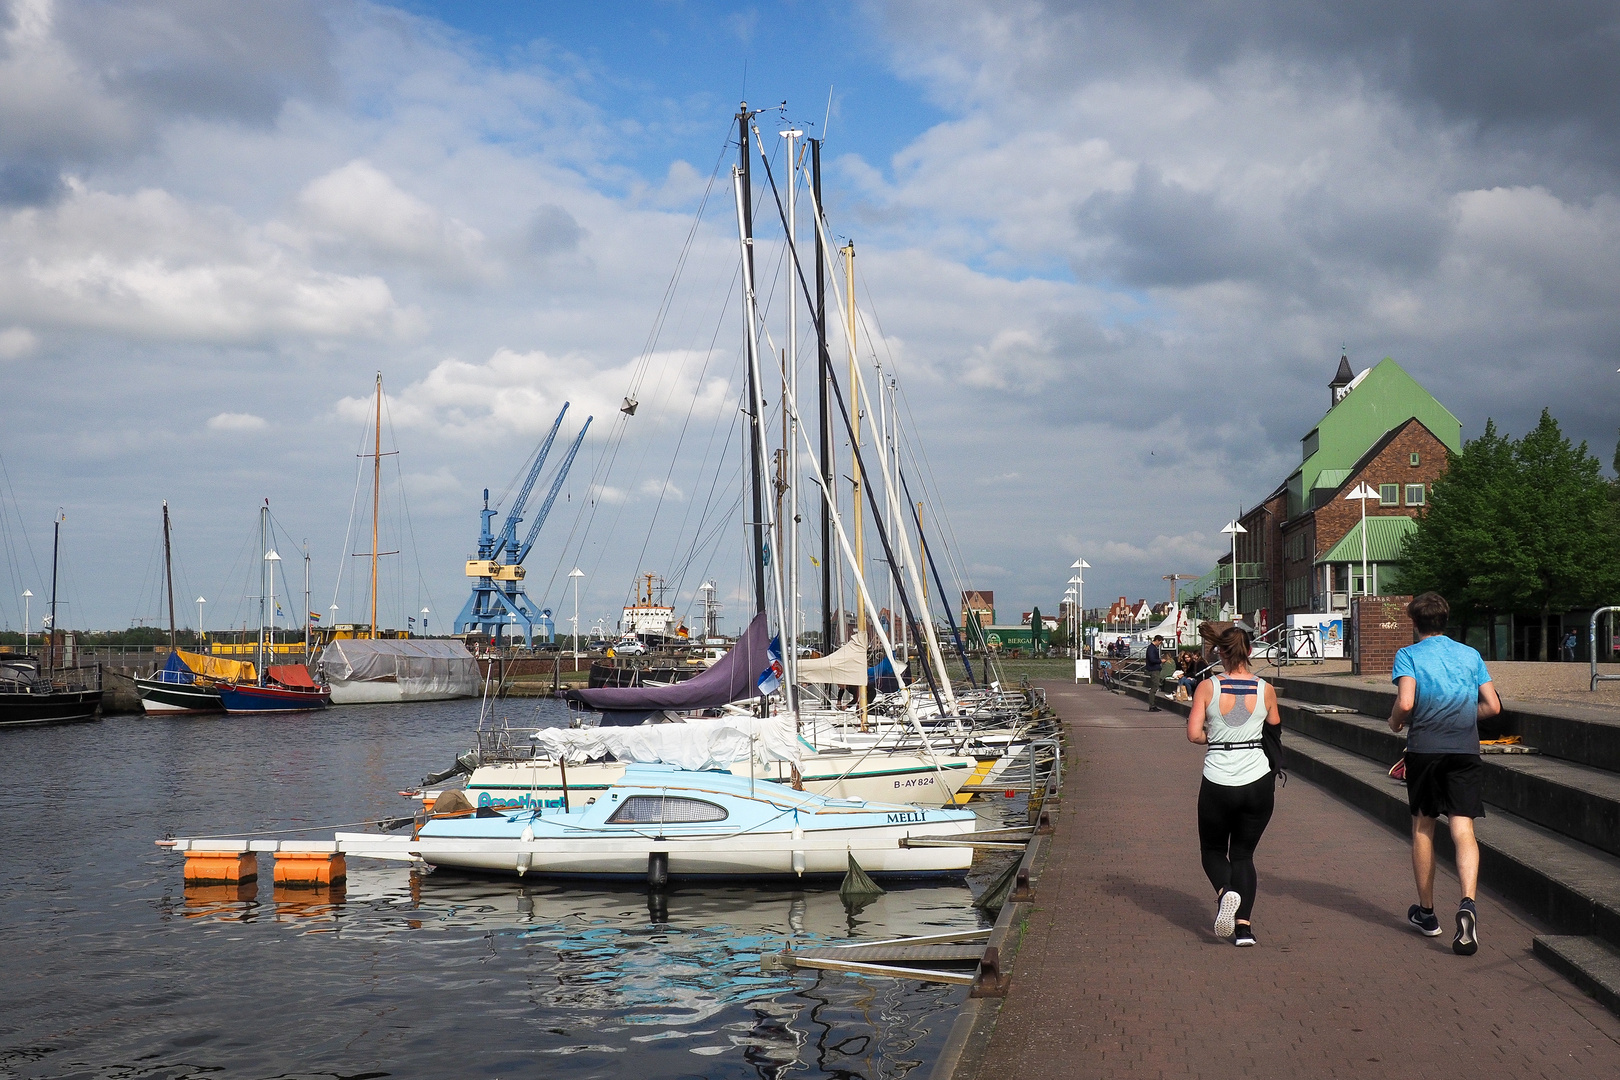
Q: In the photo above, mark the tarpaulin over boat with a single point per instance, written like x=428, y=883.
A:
x=214, y=667
x=734, y=677
x=844, y=666
x=422, y=670
x=698, y=744
x=291, y=675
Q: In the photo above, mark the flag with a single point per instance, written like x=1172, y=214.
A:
x=771, y=677
x=411, y=621
x=314, y=616
x=278, y=608
x=682, y=632
x=814, y=563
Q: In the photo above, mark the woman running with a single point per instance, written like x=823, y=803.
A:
x=1229, y=713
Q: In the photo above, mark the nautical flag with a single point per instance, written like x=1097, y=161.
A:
x=278, y=608
x=771, y=677
x=681, y=631
x=314, y=616
x=411, y=621
x=814, y=563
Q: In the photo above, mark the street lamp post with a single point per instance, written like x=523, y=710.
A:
x=424, y=622
x=576, y=573
x=1361, y=494
x=1233, y=529
x=1080, y=566
x=200, y=602
x=28, y=599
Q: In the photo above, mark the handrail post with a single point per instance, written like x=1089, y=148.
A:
x=1591, y=641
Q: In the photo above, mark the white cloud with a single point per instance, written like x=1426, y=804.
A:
x=235, y=421
x=360, y=205
x=16, y=341
x=152, y=265
x=520, y=393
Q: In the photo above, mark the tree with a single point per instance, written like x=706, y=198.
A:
x=1517, y=527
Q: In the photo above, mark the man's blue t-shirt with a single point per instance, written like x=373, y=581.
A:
x=1449, y=675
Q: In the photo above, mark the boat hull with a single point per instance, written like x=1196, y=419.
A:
x=69, y=707
x=270, y=699
x=177, y=699
x=383, y=692
x=872, y=777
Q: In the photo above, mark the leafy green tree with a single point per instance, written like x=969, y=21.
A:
x=1518, y=526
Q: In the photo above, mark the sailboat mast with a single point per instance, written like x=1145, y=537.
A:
x=829, y=640
x=56, y=549
x=790, y=632
x=755, y=451
x=857, y=478
x=306, y=601
x=376, y=502
x=168, y=571
x=264, y=564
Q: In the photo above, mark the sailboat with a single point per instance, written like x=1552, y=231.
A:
x=48, y=692
x=185, y=683
x=278, y=687
x=373, y=670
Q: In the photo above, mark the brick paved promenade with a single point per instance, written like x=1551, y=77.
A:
x=1119, y=974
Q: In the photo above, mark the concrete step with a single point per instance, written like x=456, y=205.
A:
x=1576, y=800
x=1588, y=736
x=1589, y=963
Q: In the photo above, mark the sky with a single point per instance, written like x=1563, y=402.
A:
x=1110, y=253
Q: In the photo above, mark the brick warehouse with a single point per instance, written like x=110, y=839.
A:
x=1302, y=551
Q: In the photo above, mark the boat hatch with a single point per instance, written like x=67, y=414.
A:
x=665, y=810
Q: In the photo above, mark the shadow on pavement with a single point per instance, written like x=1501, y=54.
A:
x=1333, y=897
x=1193, y=914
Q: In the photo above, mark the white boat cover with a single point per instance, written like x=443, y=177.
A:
x=844, y=666
x=697, y=744
x=442, y=668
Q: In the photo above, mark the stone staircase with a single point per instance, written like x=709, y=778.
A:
x=1550, y=842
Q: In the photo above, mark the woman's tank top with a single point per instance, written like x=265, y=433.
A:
x=1236, y=765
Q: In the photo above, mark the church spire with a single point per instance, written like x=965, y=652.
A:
x=1340, y=385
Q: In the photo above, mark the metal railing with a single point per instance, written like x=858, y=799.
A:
x=1591, y=640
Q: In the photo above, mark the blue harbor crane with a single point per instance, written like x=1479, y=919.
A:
x=498, y=602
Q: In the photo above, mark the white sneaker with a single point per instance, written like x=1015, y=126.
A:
x=1226, y=917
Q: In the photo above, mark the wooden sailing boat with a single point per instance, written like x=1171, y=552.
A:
x=279, y=687
x=185, y=683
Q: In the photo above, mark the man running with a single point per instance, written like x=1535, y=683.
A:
x=1153, y=665
x=1442, y=692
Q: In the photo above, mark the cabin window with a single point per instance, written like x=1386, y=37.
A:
x=1414, y=494
x=1389, y=494
x=665, y=810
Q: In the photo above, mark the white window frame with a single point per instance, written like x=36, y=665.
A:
x=1422, y=494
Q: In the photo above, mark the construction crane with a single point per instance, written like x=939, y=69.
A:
x=498, y=599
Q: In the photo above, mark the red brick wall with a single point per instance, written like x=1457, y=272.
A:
x=1392, y=466
x=1381, y=628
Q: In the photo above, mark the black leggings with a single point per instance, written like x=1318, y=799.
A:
x=1231, y=821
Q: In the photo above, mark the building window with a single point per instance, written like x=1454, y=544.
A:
x=1312, y=443
x=1416, y=461
x=1414, y=494
x=1389, y=494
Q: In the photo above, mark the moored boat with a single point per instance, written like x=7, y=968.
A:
x=188, y=683
x=31, y=694
x=661, y=820
x=286, y=688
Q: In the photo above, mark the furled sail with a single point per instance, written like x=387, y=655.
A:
x=844, y=666
x=734, y=677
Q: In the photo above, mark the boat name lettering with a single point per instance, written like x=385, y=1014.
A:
x=905, y=815
x=486, y=799
x=914, y=781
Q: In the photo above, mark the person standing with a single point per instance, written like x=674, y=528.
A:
x=1228, y=717
x=1153, y=664
x=1442, y=691
x=1569, y=647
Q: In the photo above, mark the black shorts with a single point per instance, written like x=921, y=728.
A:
x=1445, y=784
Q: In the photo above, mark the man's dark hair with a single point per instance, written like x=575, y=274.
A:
x=1429, y=612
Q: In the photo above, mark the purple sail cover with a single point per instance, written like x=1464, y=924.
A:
x=733, y=677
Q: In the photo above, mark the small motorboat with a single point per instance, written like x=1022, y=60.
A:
x=662, y=822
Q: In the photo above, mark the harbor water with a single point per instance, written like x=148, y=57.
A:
x=108, y=970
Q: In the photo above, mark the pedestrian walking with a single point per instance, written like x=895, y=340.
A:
x=1229, y=716
x=1569, y=647
x=1442, y=691
x=1153, y=664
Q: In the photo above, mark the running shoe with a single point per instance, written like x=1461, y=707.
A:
x=1427, y=925
x=1466, y=943
x=1244, y=936
x=1226, y=916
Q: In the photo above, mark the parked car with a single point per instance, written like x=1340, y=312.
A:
x=627, y=647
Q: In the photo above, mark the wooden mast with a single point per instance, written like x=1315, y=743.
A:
x=168, y=572
x=858, y=479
